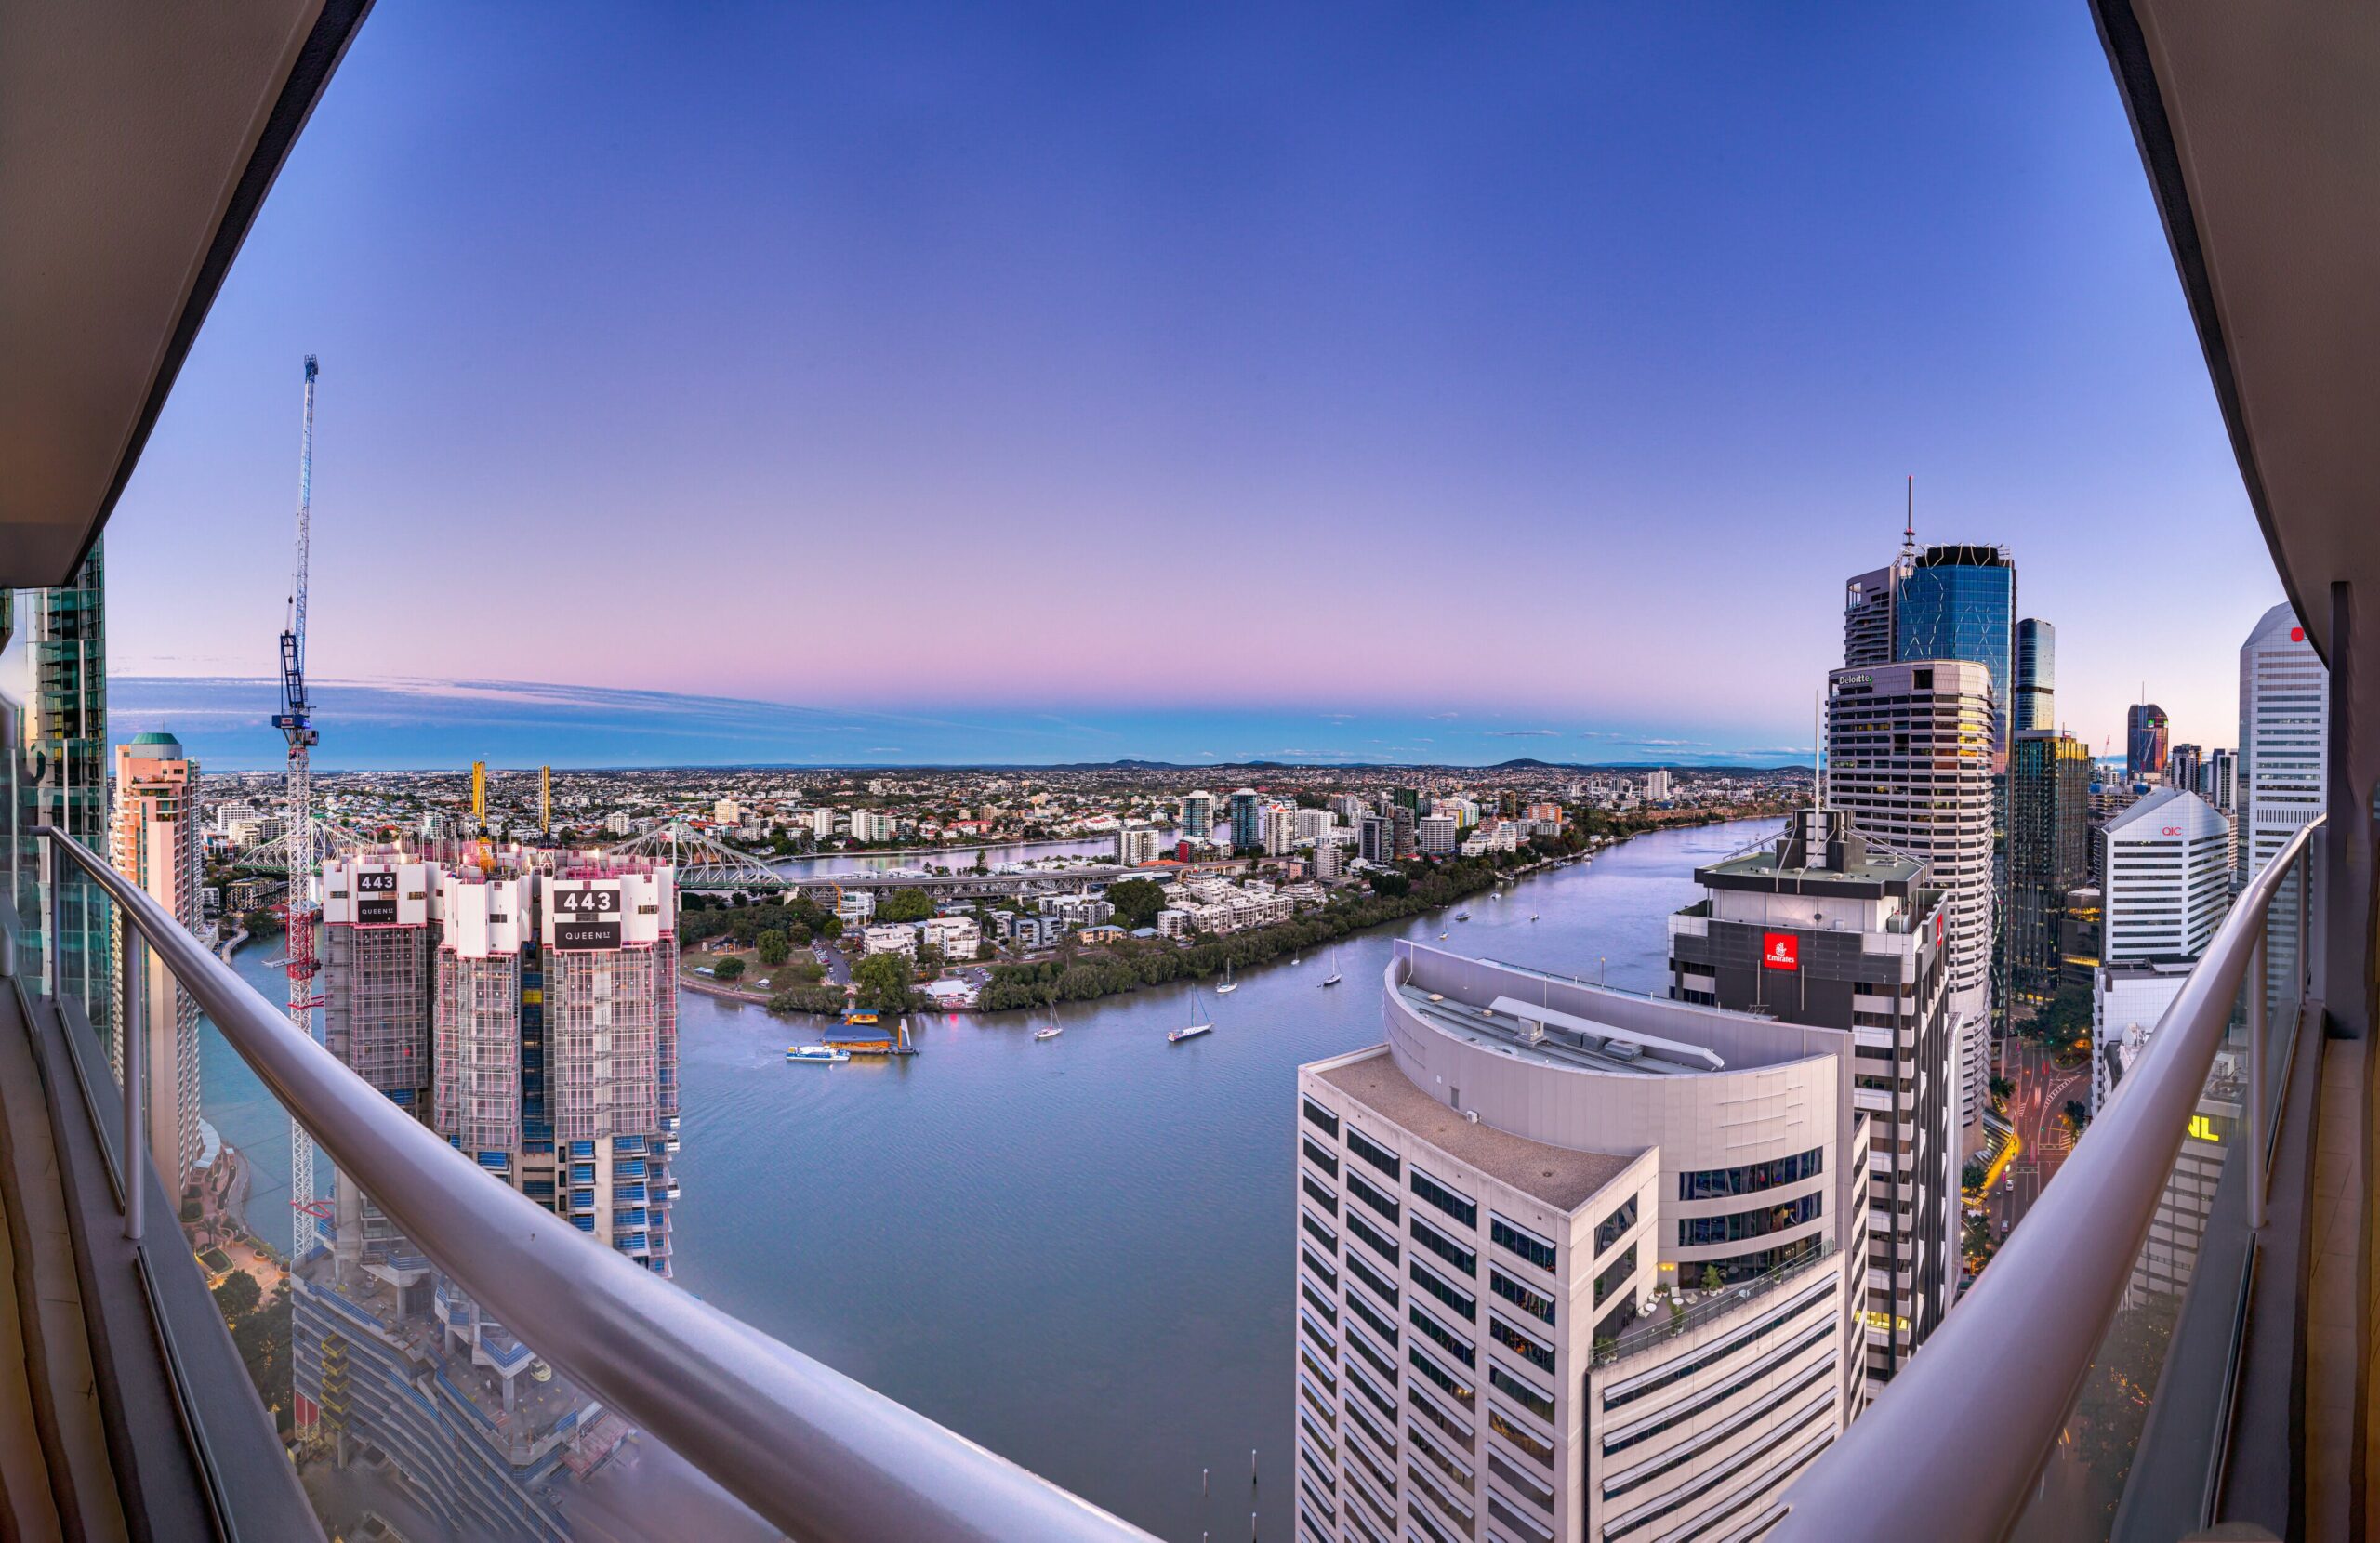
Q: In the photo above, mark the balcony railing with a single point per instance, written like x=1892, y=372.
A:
x=2075, y=1366
x=810, y=1450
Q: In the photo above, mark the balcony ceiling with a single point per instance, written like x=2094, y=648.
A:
x=2259, y=124
x=140, y=141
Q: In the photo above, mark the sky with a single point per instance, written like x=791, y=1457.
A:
x=1231, y=380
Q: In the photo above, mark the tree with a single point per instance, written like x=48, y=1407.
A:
x=1971, y=1175
x=2003, y=1090
x=1711, y=1281
x=729, y=968
x=905, y=906
x=774, y=947
x=1389, y=886
x=883, y=982
x=1137, y=902
x=238, y=1294
x=2078, y=1115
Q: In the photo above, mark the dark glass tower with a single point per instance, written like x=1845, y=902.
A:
x=1959, y=602
x=66, y=764
x=2144, y=741
x=2036, y=674
x=2049, y=811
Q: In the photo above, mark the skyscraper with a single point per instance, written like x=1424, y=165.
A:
x=1959, y=602
x=2144, y=741
x=66, y=766
x=1491, y=1202
x=2220, y=780
x=1821, y=928
x=2183, y=763
x=1910, y=760
x=1246, y=821
x=2164, y=887
x=2285, y=741
x=1197, y=815
x=154, y=842
x=1867, y=617
x=2036, y=701
x=2049, y=814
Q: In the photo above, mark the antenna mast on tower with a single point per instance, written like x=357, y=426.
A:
x=295, y=722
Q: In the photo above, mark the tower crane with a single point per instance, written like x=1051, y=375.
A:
x=295, y=722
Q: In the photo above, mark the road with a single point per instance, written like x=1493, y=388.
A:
x=2037, y=1109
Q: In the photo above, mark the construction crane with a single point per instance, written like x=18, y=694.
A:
x=295, y=722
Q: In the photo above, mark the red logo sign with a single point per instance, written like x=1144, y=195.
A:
x=2297, y=634
x=1938, y=929
x=1780, y=950
x=2171, y=830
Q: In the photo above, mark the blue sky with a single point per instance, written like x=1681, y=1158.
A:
x=1196, y=372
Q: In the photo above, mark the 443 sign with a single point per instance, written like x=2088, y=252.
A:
x=586, y=918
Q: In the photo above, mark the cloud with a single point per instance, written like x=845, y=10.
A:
x=1443, y=717
x=1339, y=717
x=1671, y=744
x=1522, y=733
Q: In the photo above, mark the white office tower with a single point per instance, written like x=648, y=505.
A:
x=2164, y=888
x=2284, y=735
x=1571, y=1263
x=1657, y=786
x=1909, y=757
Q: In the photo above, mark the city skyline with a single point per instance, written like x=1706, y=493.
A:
x=1078, y=379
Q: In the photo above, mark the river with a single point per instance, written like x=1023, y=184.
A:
x=1078, y=1252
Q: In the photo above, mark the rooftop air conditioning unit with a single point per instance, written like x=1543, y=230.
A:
x=1471, y=1117
x=1623, y=1050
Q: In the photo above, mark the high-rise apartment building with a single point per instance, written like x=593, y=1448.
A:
x=66, y=770
x=1401, y=824
x=2183, y=763
x=2048, y=854
x=1437, y=835
x=2145, y=732
x=1280, y=826
x=1376, y=838
x=1246, y=821
x=1818, y=928
x=1910, y=760
x=2036, y=704
x=1197, y=815
x=1657, y=786
x=2284, y=740
x=1572, y=1264
x=154, y=841
x=1136, y=844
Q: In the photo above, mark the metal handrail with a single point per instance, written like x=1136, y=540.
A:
x=811, y=1450
x=1955, y=1443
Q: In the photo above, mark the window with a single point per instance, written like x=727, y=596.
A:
x=1369, y=1314
x=1320, y=1118
x=1330, y=1276
x=1321, y=1303
x=1721, y=1183
x=1518, y=1343
x=1370, y=1195
x=1517, y=1239
x=1372, y=1152
x=1449, y=1341
x=1443, y=1289
x=1439, y=1418
x=1447, y=1249
x=1521, y=1441
x=1736, y=1226
x=1607, y=1230
x=1534, y=1488
x=1534, y=1399
x=1520, y=1296
x=1316, y=1231
x=1449, y=1201
x=1378, y=1362
x=1373, y=1278
x=1323, y=1160
x=1362, y=1229
x=1319, y=1195
x=1456, y=1387
x=1615, y=1275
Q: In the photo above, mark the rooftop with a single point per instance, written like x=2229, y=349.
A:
x=1562, y=1178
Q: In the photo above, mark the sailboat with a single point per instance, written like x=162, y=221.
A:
x=1332, y=979
x=1229, y=985
x=1191, y=1030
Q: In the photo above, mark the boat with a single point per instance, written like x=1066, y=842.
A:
x=827, y=1053
x=858, y=1020
x=1050, y=1032
x=1463, y=915
x=1532, y=915
x=1333, y=978
x=1206, y=1024
x=1229, y=985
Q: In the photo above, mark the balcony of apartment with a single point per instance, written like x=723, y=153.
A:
x=2175, y=1341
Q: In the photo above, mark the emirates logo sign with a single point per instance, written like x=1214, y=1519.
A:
x=1780, y=950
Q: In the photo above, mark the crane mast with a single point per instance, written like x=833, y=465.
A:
x=295, y=722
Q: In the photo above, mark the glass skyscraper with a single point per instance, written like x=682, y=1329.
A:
x=2036, y=674
x=66, y=766
x=1959, y=602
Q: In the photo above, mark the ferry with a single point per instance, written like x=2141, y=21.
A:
x=859, y=1020
x=1191, y=1031
x=1052, y=1032
x=827, y=1053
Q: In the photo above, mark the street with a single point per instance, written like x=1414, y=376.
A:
x=2037, y=1111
